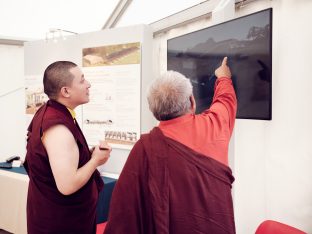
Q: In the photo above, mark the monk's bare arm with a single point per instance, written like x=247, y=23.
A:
x=63, y=155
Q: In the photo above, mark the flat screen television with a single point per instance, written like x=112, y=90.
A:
x=247, y=42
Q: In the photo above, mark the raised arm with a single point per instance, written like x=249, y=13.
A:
x=224, y=103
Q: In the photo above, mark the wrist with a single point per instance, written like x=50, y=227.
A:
x=224, y=77
x=94, y=162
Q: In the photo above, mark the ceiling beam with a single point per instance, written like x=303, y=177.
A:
x=11, y=41
x=117, y=14
x=199, y=11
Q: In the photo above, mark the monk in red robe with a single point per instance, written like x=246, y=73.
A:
x=63, y=180
x=177, y=179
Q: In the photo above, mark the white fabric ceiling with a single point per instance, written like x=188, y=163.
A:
x=32, y=19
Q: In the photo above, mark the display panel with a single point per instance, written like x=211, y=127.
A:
x=247, y=42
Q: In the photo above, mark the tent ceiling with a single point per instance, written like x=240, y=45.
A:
x=32, y=19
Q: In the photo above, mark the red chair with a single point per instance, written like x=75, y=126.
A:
x=273, y=227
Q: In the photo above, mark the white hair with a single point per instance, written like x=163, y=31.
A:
x=169, y=96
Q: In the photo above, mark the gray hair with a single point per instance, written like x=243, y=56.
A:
x=169, y=96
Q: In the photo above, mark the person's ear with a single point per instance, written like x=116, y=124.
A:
x=64, y=92
x=193, y=104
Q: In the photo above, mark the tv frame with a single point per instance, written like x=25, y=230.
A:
x=270, y=20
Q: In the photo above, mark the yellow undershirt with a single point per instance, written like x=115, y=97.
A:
x=72, y=112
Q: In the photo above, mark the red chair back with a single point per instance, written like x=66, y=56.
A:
x=273, y=227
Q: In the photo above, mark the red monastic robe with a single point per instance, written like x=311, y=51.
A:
x=166, y=187
x=49, y=211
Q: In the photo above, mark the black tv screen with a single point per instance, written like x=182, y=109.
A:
x=247, y=42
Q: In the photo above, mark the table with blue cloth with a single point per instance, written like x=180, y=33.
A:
x=19, y=175
x=104, y=199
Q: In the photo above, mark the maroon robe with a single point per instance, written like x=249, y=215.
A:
x=49, y=211
x=165, y=187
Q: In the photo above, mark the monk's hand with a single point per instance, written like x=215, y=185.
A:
x=101, y=152
x=223, y=70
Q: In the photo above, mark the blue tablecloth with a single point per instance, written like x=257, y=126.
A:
x=20, y=170
x=104, y=196
x=104, y=199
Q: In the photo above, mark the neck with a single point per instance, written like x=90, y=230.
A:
x=66, y=103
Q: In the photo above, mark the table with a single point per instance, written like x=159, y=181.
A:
x=13, y=198
x=104, y=199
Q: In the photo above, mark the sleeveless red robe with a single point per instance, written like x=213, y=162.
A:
x=49, y=211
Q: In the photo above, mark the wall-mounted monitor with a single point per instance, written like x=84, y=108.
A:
x=247, y=42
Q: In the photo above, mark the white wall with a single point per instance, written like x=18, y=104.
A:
x=12, y=102
x=272, y=159
x=273, y=164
